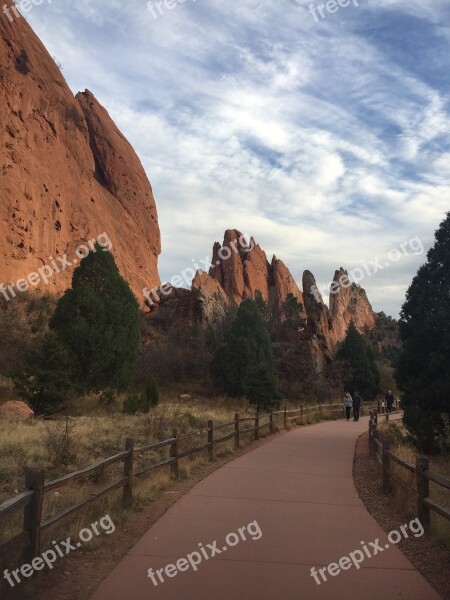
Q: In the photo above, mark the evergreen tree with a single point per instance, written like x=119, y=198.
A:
x=98, y=321
x=423, y=372
x=244, y=365
x=363, y=375
x=45, y=378
x=292, y=312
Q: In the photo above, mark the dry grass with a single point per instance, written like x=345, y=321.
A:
x=67, y=445
x=404, y=494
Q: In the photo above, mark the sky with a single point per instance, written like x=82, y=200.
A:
x=325, y=138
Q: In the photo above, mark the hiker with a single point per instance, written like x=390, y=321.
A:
x=389, y=401
x=348, y=403
x=357, y=403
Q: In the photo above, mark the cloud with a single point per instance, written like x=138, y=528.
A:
x=326, y=141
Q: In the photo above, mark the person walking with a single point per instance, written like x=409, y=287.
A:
x=389, y=401
x=357, y=403
x=348, y=403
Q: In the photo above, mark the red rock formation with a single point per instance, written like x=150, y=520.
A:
x=349, y=302
x=284, y=283
x=319, y=318
x=319, y=327
x=241, y=268
x=68, y=174
x=15, y=410
x=210, y=300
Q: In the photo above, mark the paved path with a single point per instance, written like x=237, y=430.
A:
x=299, y=488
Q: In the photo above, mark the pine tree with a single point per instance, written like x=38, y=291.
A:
x=423, y=372
x=46, y=378
x=244, y=365
x=292, y=312
x=98, y=321
x=363, y=374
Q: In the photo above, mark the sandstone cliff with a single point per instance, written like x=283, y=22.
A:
x=241, y=268
x=68, y=174
x=349, y=302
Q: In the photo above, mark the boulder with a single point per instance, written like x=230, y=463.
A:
x=15, y=410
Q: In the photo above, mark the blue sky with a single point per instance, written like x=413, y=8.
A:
x=327, y=141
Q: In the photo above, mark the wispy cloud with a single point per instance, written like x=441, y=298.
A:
x=328, y=141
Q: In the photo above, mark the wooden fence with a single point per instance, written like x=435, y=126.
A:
x=31, y=501
x=421, y=469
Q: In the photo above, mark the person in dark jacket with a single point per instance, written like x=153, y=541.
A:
x=389, y=401
x=357, y=403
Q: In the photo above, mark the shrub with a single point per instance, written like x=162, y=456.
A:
x=136, y=402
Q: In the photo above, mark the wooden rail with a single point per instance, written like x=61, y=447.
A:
x=31, y=501
x=421, y=469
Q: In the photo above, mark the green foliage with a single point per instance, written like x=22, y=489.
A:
x=423, y=372
x=244, y=365
x=22, y=63
x=98, y=321
x=292, y=312
x=363, y=374
x=46, y=379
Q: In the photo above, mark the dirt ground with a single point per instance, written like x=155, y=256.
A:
x=433, y=562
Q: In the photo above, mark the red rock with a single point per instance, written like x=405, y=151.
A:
x=284, y=283
x=68, y=174
x=349, y=303
x=243, y=270
x=319, y=318
x=210, y=300
x=16, y=411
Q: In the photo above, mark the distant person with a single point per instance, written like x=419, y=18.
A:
x=348, y=403
x=357, y=403
x=389, y=401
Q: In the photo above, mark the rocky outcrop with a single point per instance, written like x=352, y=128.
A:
x=284, y=284
x=210, y=300
x=242, y=269
x=349, y=302
x=68, y=174
x=15, y=410
x=318, y=315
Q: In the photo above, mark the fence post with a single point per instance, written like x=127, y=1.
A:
x=257, y=426
x=386, y=467
x=211, y=440
x=34, y=480
x=301, y=410
x=236, y=430
x=271, y=421
x=127, y=497
x=174, y=454
x=285, y=417
x=423, y=490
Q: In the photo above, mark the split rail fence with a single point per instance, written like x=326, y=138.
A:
x=28, y=541
x=421, y=470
